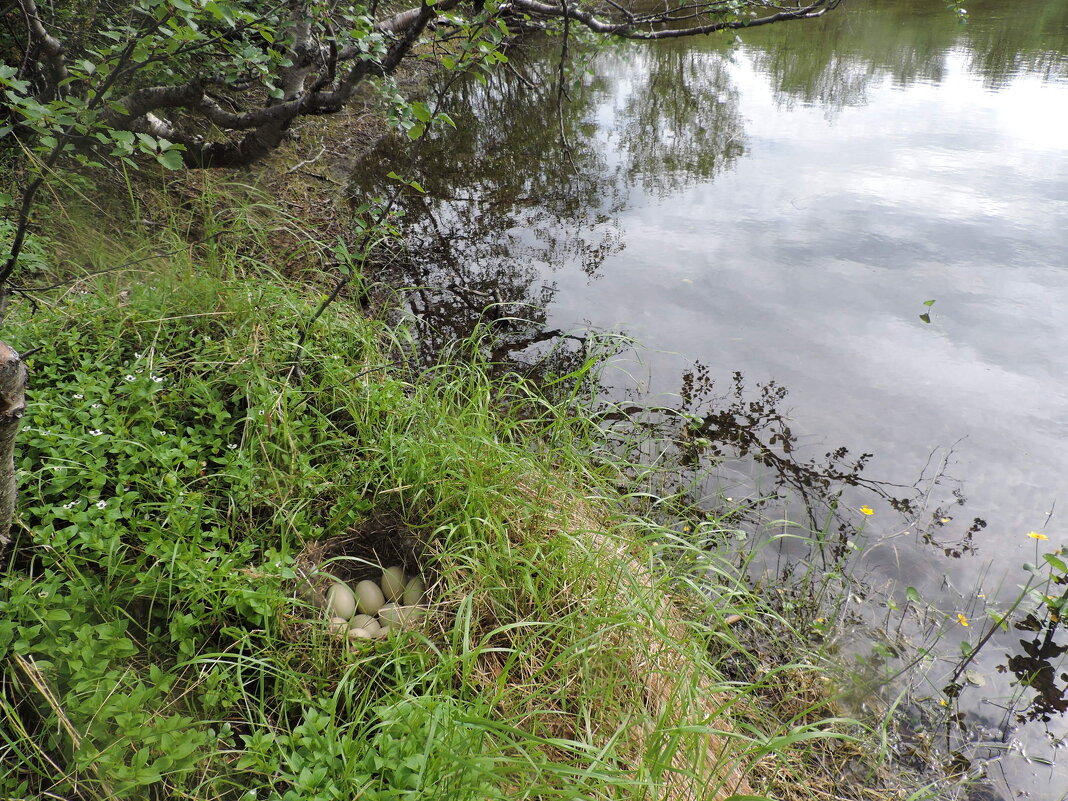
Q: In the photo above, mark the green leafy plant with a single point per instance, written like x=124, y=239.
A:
x=926, y=316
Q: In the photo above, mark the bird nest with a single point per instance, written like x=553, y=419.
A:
x=359, y=554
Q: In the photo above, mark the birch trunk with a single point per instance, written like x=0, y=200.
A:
x=12, y=405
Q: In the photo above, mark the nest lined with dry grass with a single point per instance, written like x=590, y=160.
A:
x=357, y=555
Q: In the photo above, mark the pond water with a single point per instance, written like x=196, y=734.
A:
x=784, y=205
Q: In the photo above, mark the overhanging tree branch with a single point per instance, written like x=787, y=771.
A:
x=647, y=28
x=49, y=44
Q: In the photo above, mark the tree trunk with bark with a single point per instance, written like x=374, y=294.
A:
x=13, y=379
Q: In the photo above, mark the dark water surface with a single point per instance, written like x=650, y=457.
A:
x=782, y=204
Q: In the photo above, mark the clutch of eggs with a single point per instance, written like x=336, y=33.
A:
x=371, y=610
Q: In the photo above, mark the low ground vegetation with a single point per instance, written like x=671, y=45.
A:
x=181, y=479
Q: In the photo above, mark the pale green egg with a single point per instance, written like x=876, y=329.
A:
x=370, y=597
x=414, y=591
x=388, y=615
x=398, y=616
x=362, y=621
x=360, y=634
x=393, y=583
x=340, y=602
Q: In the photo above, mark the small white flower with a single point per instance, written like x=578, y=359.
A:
x=69, y=505
x=95, y=406
x=139, y=370
x=101, y=504
x=158, y=379
x=79, y=396
x=137, y=355
x=129, y=378
x=261, y=412
x=96, y=432
x=232, y=446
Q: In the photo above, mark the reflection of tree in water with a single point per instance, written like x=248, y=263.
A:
x=680, y=125
x=505, y=205
x=709, y=426
x=1039, y=666
x=500, y=210
x=909, y=41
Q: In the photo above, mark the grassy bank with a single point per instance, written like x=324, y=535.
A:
x=181, y=482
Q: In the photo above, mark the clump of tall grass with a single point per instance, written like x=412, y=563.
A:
x=175, y=468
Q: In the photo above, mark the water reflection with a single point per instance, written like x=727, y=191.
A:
x=674, y=121
x=1039, y=666
x=909, y=41
x=506, y=205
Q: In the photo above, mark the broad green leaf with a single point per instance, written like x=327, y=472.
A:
x=975, y=678
x=913, y=595
x=172, y=160
x=1056, y=562
x=999, y=619
x=421, y=111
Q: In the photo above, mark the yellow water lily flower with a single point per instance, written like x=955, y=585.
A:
x=963, y=620
x=867, y=510
x=1036, y=536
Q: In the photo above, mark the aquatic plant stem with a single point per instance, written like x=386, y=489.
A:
x=989, y=633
